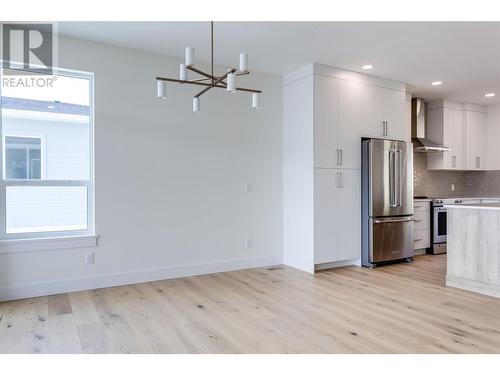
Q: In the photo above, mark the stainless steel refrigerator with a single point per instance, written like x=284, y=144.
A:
x=387, y=201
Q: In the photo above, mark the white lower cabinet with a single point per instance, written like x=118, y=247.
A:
x=337, y=215
x=422, y=227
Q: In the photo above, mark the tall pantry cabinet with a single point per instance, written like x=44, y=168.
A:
x=326, y=113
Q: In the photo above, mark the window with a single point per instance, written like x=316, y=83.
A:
x=46, y=185
x=23, y=158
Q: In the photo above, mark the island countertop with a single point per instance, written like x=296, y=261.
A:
x=475, y=206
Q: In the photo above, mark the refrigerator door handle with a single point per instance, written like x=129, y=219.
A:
x=393, y=220
x=399, y=168
x=392, y=178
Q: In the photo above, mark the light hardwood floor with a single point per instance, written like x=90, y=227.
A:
x=402, y=308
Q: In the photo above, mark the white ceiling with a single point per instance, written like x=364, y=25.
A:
x=464, y=55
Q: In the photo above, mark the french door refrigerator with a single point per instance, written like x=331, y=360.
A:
x=387, y=201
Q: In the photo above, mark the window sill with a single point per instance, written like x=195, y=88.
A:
x=44, y=244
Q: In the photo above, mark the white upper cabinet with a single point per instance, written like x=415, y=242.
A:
x=350, y=94
x=345, y=111
x=462, y=128
x=383, y=113
x=326, y=124
x=446, y=126
x=458, y=137
x=337, y=123
x=475, y=140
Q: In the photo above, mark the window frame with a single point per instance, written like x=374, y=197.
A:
x=89, y=184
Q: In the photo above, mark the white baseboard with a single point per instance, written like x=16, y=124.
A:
x=342, y=263
x=473, y=286
x=131, y=277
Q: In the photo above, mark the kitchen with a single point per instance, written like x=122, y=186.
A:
x=454, y=161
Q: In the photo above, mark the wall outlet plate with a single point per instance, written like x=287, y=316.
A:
x=248, y=244
x=89, y=257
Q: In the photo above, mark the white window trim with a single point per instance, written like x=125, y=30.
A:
x=52, y=240
x=49, y=243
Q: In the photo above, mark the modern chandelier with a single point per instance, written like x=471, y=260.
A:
x=226, y=81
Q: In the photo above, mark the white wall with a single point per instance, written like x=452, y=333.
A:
x=170, y=197
x=493, y=132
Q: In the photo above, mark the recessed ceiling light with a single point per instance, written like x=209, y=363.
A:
x=436, y=83
x=490, y=95
x=51, y=107
x=367, y=67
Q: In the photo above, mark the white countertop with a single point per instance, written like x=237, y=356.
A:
x=479, y=206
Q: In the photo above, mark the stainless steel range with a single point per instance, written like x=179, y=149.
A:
x=439, y=221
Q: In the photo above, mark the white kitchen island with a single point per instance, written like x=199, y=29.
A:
x=473, y=237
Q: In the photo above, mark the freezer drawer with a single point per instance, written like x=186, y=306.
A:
x=391, y=238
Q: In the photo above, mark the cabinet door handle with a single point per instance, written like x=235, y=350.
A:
x=454, y=161
x=417, y=239
x=418, y=221
x=341, y=157
x=386, y=128
x=340, y=180
x=338, y=157
x=478, y=162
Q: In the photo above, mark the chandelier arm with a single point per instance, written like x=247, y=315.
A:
x=200, y=72
x=201, y=79
x=215, y=83
x=205, y=84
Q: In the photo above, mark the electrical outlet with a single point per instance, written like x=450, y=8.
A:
x=248, y=244
x=248, y=188
x=452, y=187
x=89, y=257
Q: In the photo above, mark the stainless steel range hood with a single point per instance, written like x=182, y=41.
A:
x=420, y=142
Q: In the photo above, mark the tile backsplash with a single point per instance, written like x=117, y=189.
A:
x=438, y=183
x=483, y=184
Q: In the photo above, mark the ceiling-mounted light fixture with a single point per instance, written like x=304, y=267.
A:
x=161, y=89
x=255, y=100
x=209, y=80
x=183, y=72
x=490, y=95
x=196, y=104
x=436, y=83
x=367, y=67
